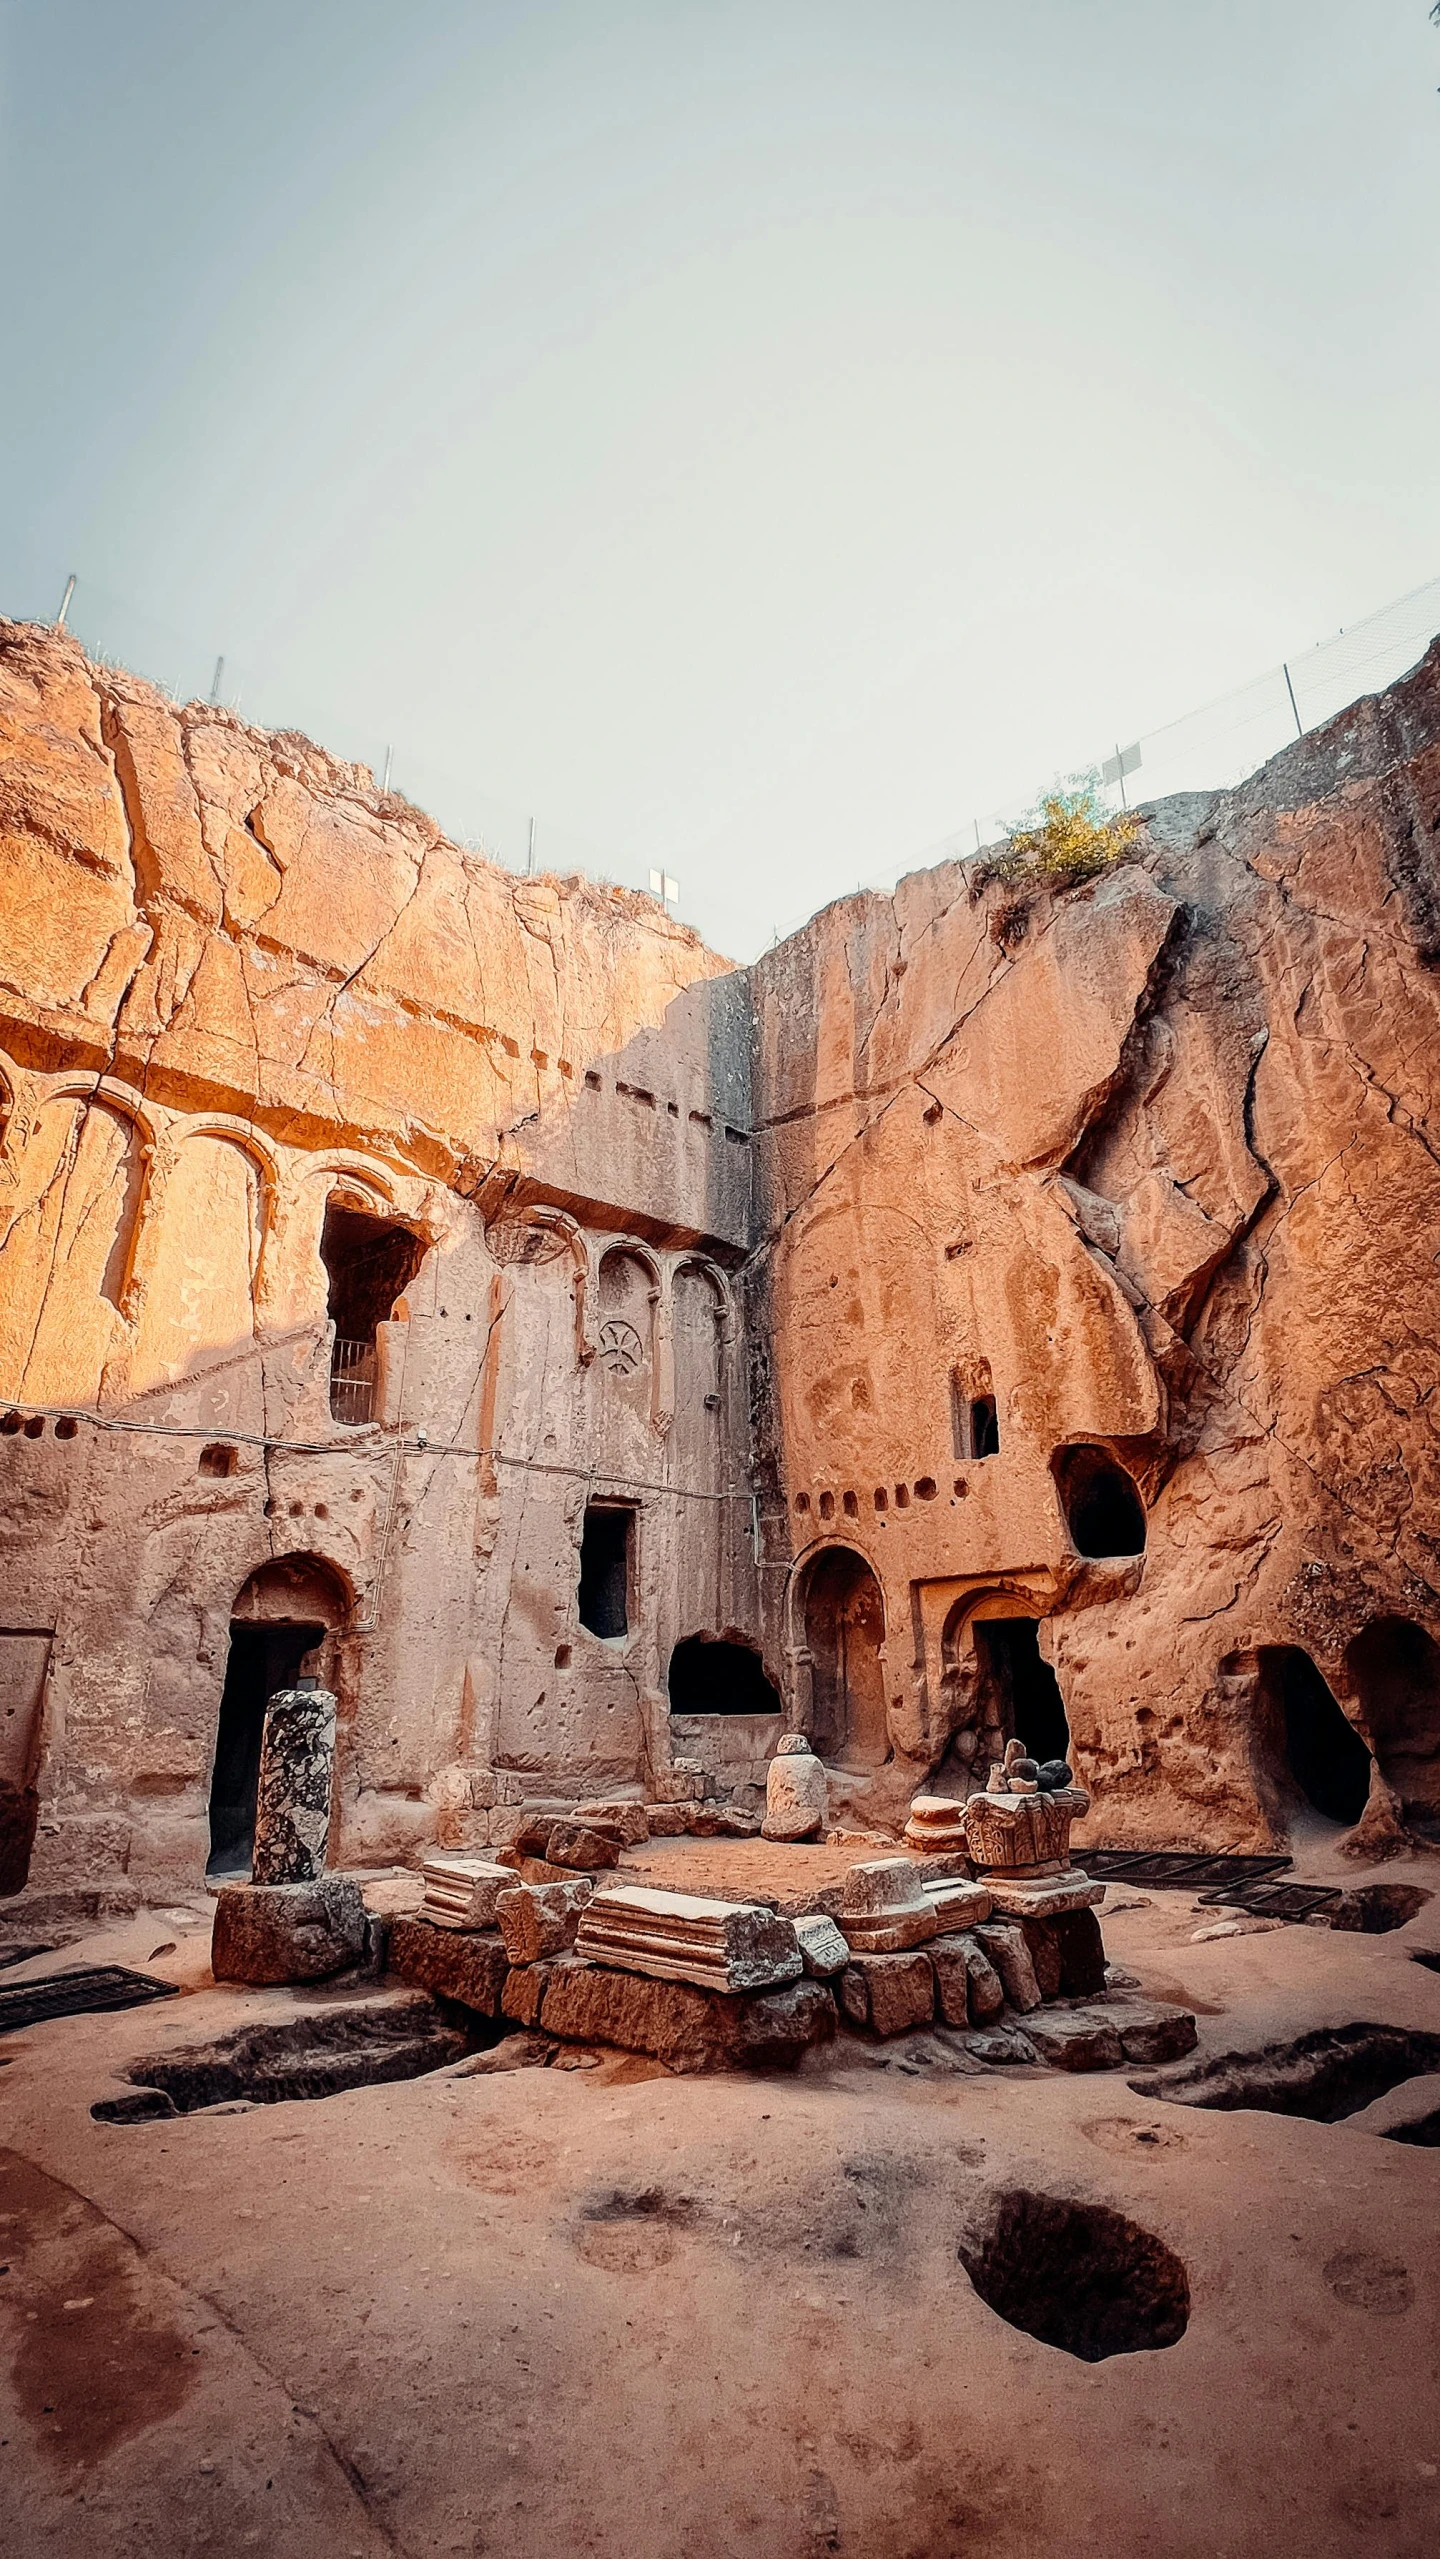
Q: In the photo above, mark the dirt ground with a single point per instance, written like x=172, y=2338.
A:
x=605, y=2310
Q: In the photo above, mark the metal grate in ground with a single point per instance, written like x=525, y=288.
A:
x=74, y=1994
x=1175, y=1870
x=1276, y=1901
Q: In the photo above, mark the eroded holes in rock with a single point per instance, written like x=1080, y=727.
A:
x=714, y=1675
x=882, y=1498
x=218, y=1460
x=1102, y=1509
x=607, y=1556
x=306, y=2057
x=1077, y=2276
x=850, y=1506
x=902, y=1497
x=371, y=1261
x=66, y=1427
x=35, y=1426
x=925, y=1489
x=844, y=1619
x=802, y=1502
x=827, y=1505
x=1393, y=1667
x=1325, y=2075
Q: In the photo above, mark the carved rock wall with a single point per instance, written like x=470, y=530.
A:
x=1057, y=1272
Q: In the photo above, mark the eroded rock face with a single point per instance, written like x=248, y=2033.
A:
x=409, y=1271
x=1127, y=1192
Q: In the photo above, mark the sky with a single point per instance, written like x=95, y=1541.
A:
x=751, y=437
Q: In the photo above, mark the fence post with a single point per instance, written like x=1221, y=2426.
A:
x=1290, y=689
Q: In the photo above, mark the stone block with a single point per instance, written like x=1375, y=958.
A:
x=968, y=1990
x=1082, y=1953
x=467, y=1967
x=1075, y=2039
x=269, y=1933
x=629, y=1823
x=717, y=1945
x=541, y=1919
x=822, y=1947
x=957, y=1902
x=722, y=1821
x=581, y=1850
x=461, y=1892
x=524, y=1989
x=687, y=2028
x=895, y=1991
x=1003, y=1942
x=1044, y=1947
x=1000, y=2046
x=1150, y=2032
x=666, y=1821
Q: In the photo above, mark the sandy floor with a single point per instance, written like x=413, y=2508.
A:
x=546, y=2312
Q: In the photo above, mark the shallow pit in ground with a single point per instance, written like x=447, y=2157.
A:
x=1076, y=2275
x=1372, y=1910
x=315, y=2056
x=1325, y=2075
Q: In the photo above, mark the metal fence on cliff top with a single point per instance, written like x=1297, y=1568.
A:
x=1209, y=749
x=1230, y=738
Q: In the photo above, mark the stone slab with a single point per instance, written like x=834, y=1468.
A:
x=1042, y=1896
x=292, y=1801
x=1075, y=2039
x=685, y=1937
x=687, y=2028
x=468, y=1967
x=1149, y=2031
x=959, y=1902
x=272, y=1933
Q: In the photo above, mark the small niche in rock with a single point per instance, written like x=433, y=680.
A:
x=1326, y=2075
x=1374, y=1909
x=1077, y=2276
x=1427, y=1955
x=317, y=2056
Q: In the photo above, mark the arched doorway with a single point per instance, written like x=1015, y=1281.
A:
x=281, y=1625
x=844, y=1633
x=1393, y=1668
x=998, y=1688
x=1324, y=1758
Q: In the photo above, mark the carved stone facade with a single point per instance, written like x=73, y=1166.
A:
x=989, y=1313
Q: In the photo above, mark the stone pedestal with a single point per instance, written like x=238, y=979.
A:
x=270, y=1933
x=797, y=1793
x=292, y=1807
x=936, y=1826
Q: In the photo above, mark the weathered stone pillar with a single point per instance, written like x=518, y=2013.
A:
x=297, y=1765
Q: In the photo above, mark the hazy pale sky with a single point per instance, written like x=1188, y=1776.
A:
x=752, y=434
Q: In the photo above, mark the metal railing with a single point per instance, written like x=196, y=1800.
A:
x=352, y=1381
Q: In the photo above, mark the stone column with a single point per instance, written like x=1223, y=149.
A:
x=297, y=1763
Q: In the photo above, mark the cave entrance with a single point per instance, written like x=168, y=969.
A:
x=370, y=1261
x=1017, y=1692
x=1324, y=1755
x=718, y=1676
x=1393, y=1667
x=283, y=1619
x=1103, y=1511
x=845, y=1635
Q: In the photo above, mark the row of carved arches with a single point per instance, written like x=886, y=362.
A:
x=146, y=1244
